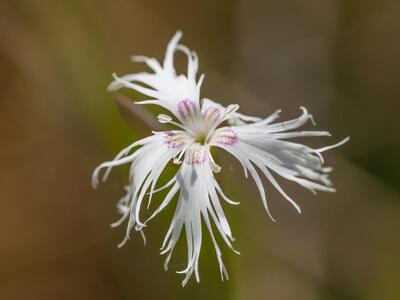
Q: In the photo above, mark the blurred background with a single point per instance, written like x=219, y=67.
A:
x=339, y=58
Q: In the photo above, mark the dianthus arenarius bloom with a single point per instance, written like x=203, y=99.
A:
x=199, y=125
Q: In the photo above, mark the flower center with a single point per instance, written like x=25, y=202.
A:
x=201, y=138
x=199, y=123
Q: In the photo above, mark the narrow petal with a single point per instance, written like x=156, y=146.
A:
x=147, y=164
x=165, y=87
x=197, y=201
x=264, y=145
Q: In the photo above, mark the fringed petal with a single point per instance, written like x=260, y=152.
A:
x=198, y=200
x=264, y=145
x=164, y=86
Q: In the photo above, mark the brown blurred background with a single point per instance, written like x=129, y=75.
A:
x=339, y=58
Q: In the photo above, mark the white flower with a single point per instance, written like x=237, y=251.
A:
x=256, y=143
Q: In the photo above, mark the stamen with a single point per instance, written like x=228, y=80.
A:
x=215, y=168
x=178, y=160
x=164, y=119
x=231, y=109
